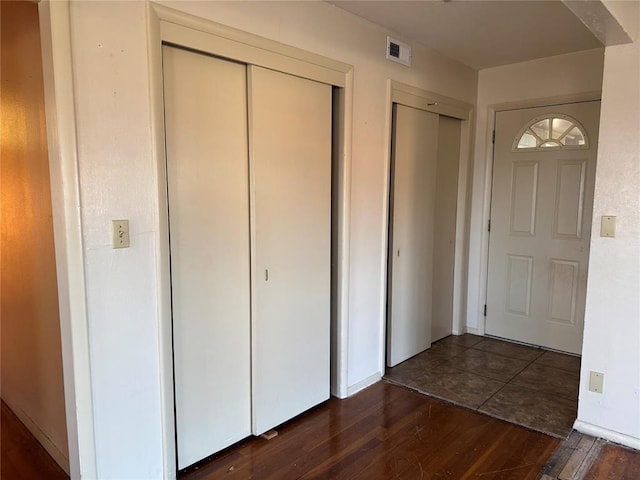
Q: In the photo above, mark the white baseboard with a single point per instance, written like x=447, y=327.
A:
x=361, y=385
x=611, y=435
x=41, y=437
x=473, y=331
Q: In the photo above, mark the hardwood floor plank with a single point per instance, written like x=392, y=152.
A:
x=615, y=463
x=386, y=432
x=576, y=458
x=21, y=456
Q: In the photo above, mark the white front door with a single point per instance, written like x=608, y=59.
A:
x=541, y=207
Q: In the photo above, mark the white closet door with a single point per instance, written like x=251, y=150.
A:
x=207, y=170
x=290, y=120
x=444, y=238
x=415, y=151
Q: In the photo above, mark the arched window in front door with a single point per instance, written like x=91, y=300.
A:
x=555, y=131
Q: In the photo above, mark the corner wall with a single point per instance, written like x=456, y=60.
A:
x=32, y=382
x=612, y=318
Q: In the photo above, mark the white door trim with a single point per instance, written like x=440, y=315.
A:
x=178, y=28
x=57, y=68
x=410, y=96
x=475, y=307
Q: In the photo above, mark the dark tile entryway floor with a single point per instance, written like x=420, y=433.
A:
x=526, y=385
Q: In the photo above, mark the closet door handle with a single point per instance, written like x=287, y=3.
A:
x=266, y=275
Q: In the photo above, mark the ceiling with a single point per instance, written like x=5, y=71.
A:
x=478, y=33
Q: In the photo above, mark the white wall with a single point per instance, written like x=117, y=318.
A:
x=553, y=77
x=118, y=180
x=612, y=318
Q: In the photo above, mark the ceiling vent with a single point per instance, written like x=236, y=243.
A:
x=398, y=51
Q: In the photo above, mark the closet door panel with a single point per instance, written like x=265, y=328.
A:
x=415, y=153
x=207, y=173
x=444, y=239
x=290, y=125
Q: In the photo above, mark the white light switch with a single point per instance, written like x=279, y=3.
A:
x=596, y=382
x=608, y=226
x=120, y=235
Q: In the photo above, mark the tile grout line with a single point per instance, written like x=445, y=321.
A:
x=527, y=366
x=493, y=395
x=508, y=381
x=454, y=363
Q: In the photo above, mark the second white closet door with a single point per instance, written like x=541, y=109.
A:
x=290, y=143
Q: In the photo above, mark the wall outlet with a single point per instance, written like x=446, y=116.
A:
x=608, y=226
x=596, y=382
x=120, y=233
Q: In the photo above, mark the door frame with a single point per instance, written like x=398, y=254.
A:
x=475, y=306
x=174, y=27
x=403, y=94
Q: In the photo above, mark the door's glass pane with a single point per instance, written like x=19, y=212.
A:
x=560, y=125
x=542, y=128
x=551, y=132
x=574, y=137
x=527, y=140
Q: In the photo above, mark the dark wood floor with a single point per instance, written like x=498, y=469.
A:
x=21, y=456
x=387, y=432
x=384, y=432
x=614, y=463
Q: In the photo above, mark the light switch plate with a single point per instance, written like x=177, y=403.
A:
x=120, y=233
x=608, y=226
x=596, y=382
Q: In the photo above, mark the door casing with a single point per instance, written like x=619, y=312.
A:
x=564, y=246
x=170, y=26
x=433, y=102
x=475, y=303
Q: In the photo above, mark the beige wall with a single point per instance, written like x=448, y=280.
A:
x=31, y=376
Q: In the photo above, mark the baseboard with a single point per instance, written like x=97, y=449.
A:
x=473, y=331
x=611, y=435
x=361, y=385
x=40, y=436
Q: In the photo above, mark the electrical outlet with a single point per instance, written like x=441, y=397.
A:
x=608, y=226
x=120, y=233
x=596, y=382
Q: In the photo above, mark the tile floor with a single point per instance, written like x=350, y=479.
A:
x=521, y=384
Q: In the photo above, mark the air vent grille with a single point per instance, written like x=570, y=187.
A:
x=394, y=50
x=398, y=51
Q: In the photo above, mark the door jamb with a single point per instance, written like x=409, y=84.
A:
x=57, y=67
x=410, y=96
x=182, y=29
x=488, y=183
